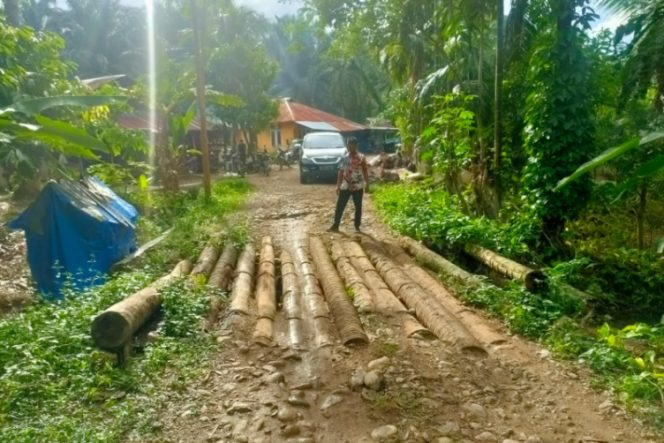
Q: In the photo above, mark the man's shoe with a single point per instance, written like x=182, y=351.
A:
x=357, y=229
x=333, y=229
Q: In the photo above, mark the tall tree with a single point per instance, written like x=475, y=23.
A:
x=198, y=18
x=498, y=103
x=559, y=127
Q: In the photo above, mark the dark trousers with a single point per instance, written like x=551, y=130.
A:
x=342, y=201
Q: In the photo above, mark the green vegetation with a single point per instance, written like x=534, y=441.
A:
x=624, y=285
x=55, y=386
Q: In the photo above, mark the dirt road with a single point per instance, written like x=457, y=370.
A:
x=396, y=387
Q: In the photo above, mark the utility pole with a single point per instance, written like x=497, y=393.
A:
x=199, y=33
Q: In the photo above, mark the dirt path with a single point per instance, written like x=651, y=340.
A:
x=395, y=388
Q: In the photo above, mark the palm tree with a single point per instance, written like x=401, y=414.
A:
x=12, y=12
x=645, y=63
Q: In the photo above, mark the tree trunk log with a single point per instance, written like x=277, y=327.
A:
x=342, y=310
x=318, y=315
x=222, y=274
x=477, y=326
x=291, y=297
x=243, y=283
x=438, y=263
x=114, y=327
x=434, y=316
x=532, y=279
x=362, y=297
x=266, y=294
x=206, y=262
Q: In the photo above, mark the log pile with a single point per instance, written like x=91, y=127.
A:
x=113, y=329
x=386, y=301
x=342, y=310
x=474, y=323
x=266, y=294
x=434, y=316
x=362, y=297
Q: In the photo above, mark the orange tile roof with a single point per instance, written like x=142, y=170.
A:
x=291, y=111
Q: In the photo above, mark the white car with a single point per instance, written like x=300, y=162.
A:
x=321, y=154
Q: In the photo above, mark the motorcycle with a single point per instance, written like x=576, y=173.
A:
x=263, y=160
x=283, y=158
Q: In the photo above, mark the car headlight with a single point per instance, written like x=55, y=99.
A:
x=307, y=161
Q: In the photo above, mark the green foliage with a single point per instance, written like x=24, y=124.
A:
x=559, y=129
x=54, y=384
x=431, y=214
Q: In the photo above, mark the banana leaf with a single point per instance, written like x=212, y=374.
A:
x=609, y=155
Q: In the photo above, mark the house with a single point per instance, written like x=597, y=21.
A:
x=296, y=119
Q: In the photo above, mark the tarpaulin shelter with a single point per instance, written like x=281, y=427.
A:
x=75, y=231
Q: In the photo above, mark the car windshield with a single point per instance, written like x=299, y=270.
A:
x=323, y=141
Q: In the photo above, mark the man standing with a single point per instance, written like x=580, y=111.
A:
x=352, y=181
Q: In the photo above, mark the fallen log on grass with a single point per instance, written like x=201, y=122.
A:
x=317, y=314
x=385, y=300
x=434, y=316
x=533, y=279
x=342, y=310
x=114, y=327
x=439, y=264
x=205, y=262
x=266, y=294
x=362, y=298
x=473, y=322
x=243, y=284
x=291, y=300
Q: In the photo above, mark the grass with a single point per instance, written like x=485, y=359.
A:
x=55, y=386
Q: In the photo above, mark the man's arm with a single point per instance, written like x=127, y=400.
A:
x=340, y=175
x=365, y=173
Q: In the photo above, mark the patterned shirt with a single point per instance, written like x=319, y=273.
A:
x=351, y=168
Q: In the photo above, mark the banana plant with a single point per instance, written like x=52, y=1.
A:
x=26, y=134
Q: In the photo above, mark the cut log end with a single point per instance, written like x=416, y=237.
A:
x=535, y=281
x=110, y=330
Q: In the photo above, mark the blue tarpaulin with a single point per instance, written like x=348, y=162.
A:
x=75, y=231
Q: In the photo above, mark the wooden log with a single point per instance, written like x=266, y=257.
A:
x=222, y=274
x=221, y=278
x=533, y=279
x=295, y=338
x=362, y=297
x=439, y=264
x=473, y=322
x=342, y=310
x=243, y=284
x=434, y=316
x=206, y=262
x=264, y=331
x=266, y=293
x=385, y=300
x=315, y=310
x=290, y=289
x=114, y=327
